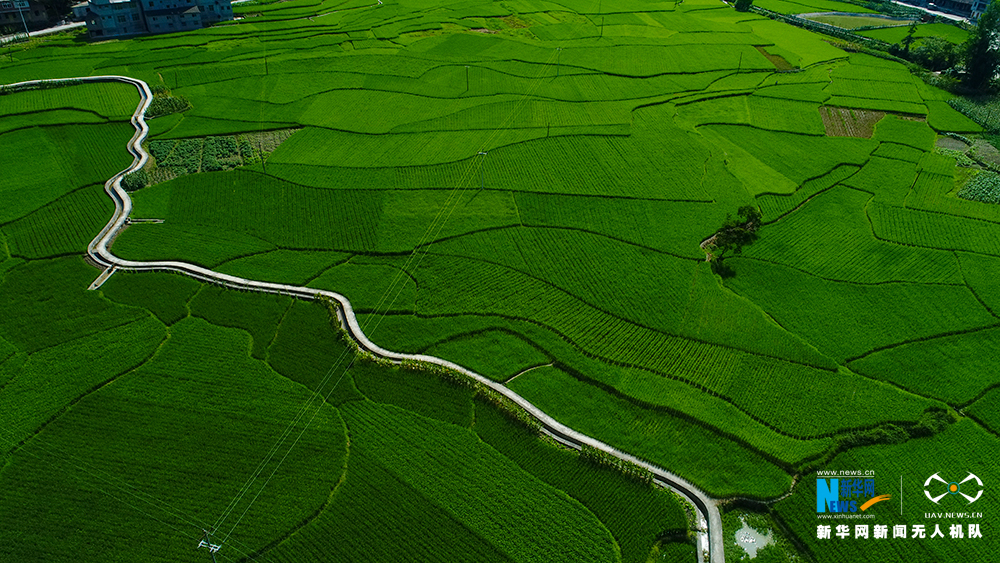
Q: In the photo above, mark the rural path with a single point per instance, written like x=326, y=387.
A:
x=46, y=31
x=709, y=519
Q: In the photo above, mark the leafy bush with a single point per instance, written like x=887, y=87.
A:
x=161, y=149
x=960, y=157
x=984, y=187
x=165, y=105
x=136, y=180
x=935, y=53
x=604, y=459
x=218, y=149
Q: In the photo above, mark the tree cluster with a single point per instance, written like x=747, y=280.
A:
x=980, y=50
x=735, y=233
x=975, y=62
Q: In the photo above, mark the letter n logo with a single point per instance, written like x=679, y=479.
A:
x=827, y=491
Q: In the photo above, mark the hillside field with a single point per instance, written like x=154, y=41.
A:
x=519, y=187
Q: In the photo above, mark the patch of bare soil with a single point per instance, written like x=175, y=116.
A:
x=778, y=61
x=986, y=153
x=483, y=30
x=950, y=143
x=848, y=122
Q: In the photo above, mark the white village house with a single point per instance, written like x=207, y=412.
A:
x=114, y=18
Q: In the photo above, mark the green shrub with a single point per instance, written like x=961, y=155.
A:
x=165, y=105
x=960, y=157
x=136, y=180
x=984, y=187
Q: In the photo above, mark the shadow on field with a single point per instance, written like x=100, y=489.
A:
x=723, y=270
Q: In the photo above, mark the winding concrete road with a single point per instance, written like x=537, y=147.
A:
x=709, y=539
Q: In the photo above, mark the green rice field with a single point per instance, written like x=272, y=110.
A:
x=855, y=21
x=518, y=187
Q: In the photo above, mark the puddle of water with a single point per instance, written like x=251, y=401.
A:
x=751, y=540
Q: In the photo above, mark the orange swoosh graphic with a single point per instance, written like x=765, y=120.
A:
x=872, y=501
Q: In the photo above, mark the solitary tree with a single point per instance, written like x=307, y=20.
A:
x=735, y=233
x=743, y=5
x=980, y=49
x=910, y=38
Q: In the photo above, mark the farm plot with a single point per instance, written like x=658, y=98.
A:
x=573, y=242
x=114, y=101
x=633, y=515
x=919, y=366
x=773, y=206
x=797, y=157
x=46, y=232
x=174, y=292
x=943, y=117
x=650, y=435
x=847, y=122
x=139, y=437
x=689, y=302
x=934, y=230
x=985, y=409
x=872, y=316
x=829, y=238
x=75, y=156
x=976, y=269
x=637, y=221
x=948, y=32
x=296, y=267
x=43, y=307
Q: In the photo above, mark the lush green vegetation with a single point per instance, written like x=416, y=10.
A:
x=567, y=255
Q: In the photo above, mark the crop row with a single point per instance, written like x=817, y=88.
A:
x=44, y=306
x=846, y=250
x=648, y=434
x=406, y=332
x=773, y=206
x=633, y=513
x=64, y=226
x=723, y=371
x=937, y=230
x=926, y=367
x=144, y=432
x=111, y=101
x=864, y=317
x=75, y=155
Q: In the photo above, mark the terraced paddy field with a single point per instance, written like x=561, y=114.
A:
x=521, y=188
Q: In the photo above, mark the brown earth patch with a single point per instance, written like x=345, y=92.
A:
x=778, y=61
x=950, y=143
x=848, y=122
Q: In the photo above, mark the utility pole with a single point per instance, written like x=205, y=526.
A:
x=600, y=10
x=22, y=4
x=482, y=183
x=212, y=547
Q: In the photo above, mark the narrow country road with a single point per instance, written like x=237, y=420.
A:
x=709, y=519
